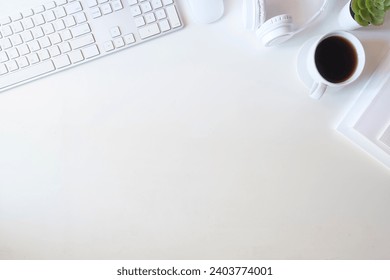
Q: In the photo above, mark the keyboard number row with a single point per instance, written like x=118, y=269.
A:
x=40, y=19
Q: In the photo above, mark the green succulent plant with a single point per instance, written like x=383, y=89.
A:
x=368, y=12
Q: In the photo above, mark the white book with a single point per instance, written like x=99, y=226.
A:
x=367, y=123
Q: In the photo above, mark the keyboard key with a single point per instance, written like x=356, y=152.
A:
x=55, y=38
x=73, y=8
x=160, y=14
x=102, y=1
x=3, y=69
x=38, y=19
x=5, y=20
x=76, y=56
x=90, y=51
x=80, y=17
x=13, y=53
x=24, y=49
x=132, y=2
x=118, y=42
x=6, y=43
x=39, y=9
x=80, y=30
x=60, y=12
x=50, y=5
x=173, y=16
x=149, y=18
x=61, y=2
x=34, y=46
x=26, y=74
x=61, y=61
x=167, y=2
x=82, y=41
x=69, y=21
x=115, y=32
x=17, y=27
x=27, y=23
x=27, y=13
x=135, y=11
x=16, y=40
x=6, y=31
x=146, y=7
x=22, y=62
x=66, y=35
x=44, y=42
x=164, y=25
x=92, y=3
x=65, y=47
x=156, y=4
x=3, y=57
x=49, y=16
x=59, y=25
x=27, y=36
x=139, y=21
x=106, y=9
x=33, y=58
x=37, y=32
x=95, y=12
x=11, y=66
x=16, y=16
x=108, y=46
x=149, y=31
x=48, y=28
x=43, y=55
x=54, y=51
x=117, y=5
x=129, y=39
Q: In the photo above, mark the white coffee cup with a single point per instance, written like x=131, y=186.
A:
x=332, y=60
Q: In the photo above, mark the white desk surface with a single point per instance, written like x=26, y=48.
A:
x=198, y=145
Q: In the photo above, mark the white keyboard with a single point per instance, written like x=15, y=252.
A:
x=64, y=33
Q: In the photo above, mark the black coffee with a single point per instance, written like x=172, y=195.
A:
x=336, y=59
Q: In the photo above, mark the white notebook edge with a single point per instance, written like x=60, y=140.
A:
x=369, y=91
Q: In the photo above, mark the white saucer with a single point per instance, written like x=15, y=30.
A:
x=303, y=74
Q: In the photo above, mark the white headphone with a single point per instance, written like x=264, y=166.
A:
x=276, y=30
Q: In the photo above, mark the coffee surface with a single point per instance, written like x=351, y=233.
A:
x=336, y=59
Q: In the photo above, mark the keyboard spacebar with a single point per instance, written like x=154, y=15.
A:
x=26, y=74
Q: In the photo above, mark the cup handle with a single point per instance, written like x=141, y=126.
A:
x=317, y=90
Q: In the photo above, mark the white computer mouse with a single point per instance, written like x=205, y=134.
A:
x=206, y=11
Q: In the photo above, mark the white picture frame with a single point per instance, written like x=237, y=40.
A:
x=367, y=123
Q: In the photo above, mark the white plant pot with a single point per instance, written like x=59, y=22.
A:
x=346, y=21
